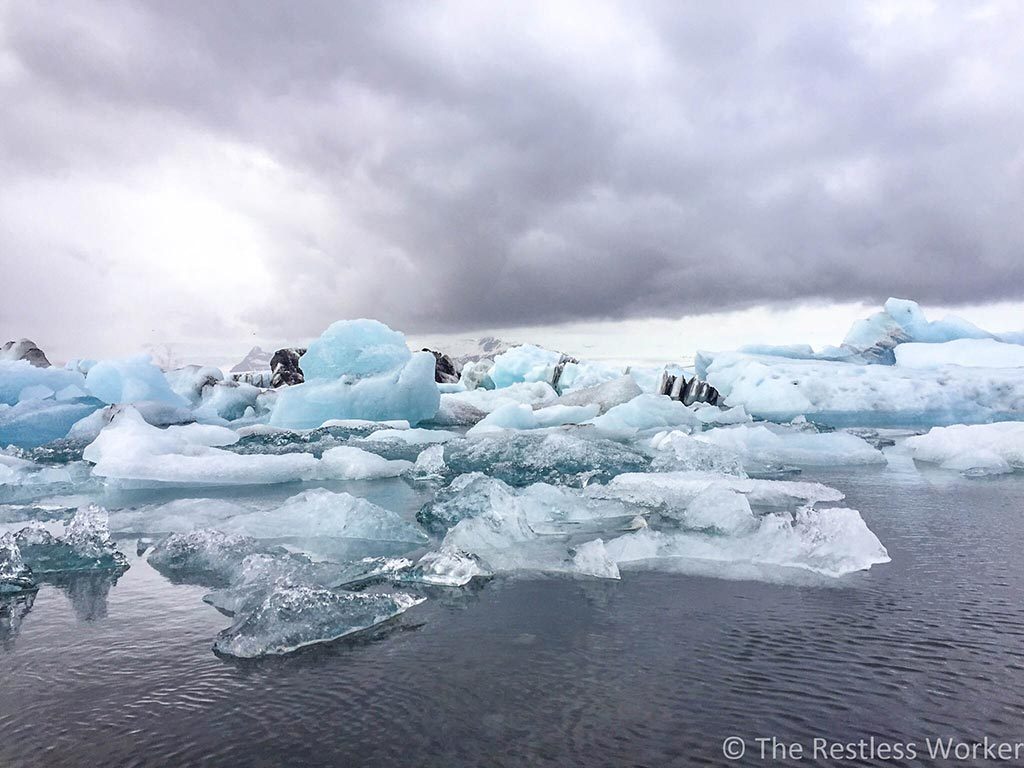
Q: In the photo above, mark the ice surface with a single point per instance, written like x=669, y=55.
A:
x=844, y=394
x=350, y=463
x=15, y=576
x=130, y=379
x=319, y=512
x=976, y=449
x=720, y=510
x=292, y=617
x=536, y=393
x=968, y=353
x=521, y=416
x=647, y=412
x=85, y=545
x=778, y=445
x=32, y=423
x=430, y=463
x=525, y=363
x=359, y=369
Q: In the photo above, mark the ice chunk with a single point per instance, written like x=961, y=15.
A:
x=130, y=379
x=592, y=559
x=831, y=542
x=357, y=348
x=525, y=363
x=533, y=393
x=519, y=416
x=228, y=400
x=430, y=463
x=902, y=321
x=350, y=463
x=407, y=393
x=521, y=458
x=260, y=573
x=844, y=394
x=720, y=510
x=676, y=490
x=647, y=412
x=967, y=353
x=977, y=449
x=761, y=445
x=455, y=413
x=18, y=375
x=359, y=369
x=413, y=436
x=129, y=449
x=619, y=390
x=320, y=512
x=32, y=423
x=476, y=374
x=15, y=576
x=204, y=556
x=294, y=617
x=710, y=414
x=191, y=381
x=446, y=567
x=679, y=451
x=85, y=545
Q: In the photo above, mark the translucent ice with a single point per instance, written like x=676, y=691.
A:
x=447, y=567
x=85, y=545
x=292, y=617
x=319, y=512
x=35, y=422
x=978, y=449
x=15, y=576
x=204, y=556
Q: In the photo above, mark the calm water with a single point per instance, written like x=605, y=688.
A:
x=654, y=670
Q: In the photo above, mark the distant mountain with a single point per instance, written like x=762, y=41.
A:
x=255, y=360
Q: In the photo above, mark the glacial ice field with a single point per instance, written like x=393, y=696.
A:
x=356, y=482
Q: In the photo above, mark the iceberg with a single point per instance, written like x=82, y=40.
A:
x=605, y=396
x=975, y=449
x=292, y=617
x=525, y=363
x=843, y=394
x=18, y=375
x=129, y=380
x=35, y=422
x=676, y=450
x=521, y=416
x=359, y=369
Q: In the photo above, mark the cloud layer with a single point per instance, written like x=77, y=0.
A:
x=194, y=169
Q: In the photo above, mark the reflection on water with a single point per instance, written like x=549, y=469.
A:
x=87, y=592
x=13, y=610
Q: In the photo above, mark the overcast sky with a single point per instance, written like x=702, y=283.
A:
x=212, y=173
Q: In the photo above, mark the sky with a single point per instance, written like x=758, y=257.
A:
x=612, y=177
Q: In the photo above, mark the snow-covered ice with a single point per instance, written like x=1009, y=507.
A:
x=976, y=448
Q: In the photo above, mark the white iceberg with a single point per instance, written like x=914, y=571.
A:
x=977, y=448
x=762, y=445
x=130, y=379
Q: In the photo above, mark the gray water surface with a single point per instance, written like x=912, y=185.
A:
x=654, y=670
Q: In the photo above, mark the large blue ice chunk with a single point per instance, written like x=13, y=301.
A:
x=129, y=380
x=359, y=369
x=524, y=363
x=357, y=348
x=16, y=376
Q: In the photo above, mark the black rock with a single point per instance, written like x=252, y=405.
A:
x=24, y=349
x=445, y=370
x=284, y=367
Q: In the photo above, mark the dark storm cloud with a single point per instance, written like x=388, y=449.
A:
x=497, y=164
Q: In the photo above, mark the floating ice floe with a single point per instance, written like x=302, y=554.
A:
x=647, y=412
x=206, y=556
x=446, y=567
x=777, y=445
x=292, y=617
x=129, y=449
x=521, y=416
x=359, y=369
x=975, y=449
